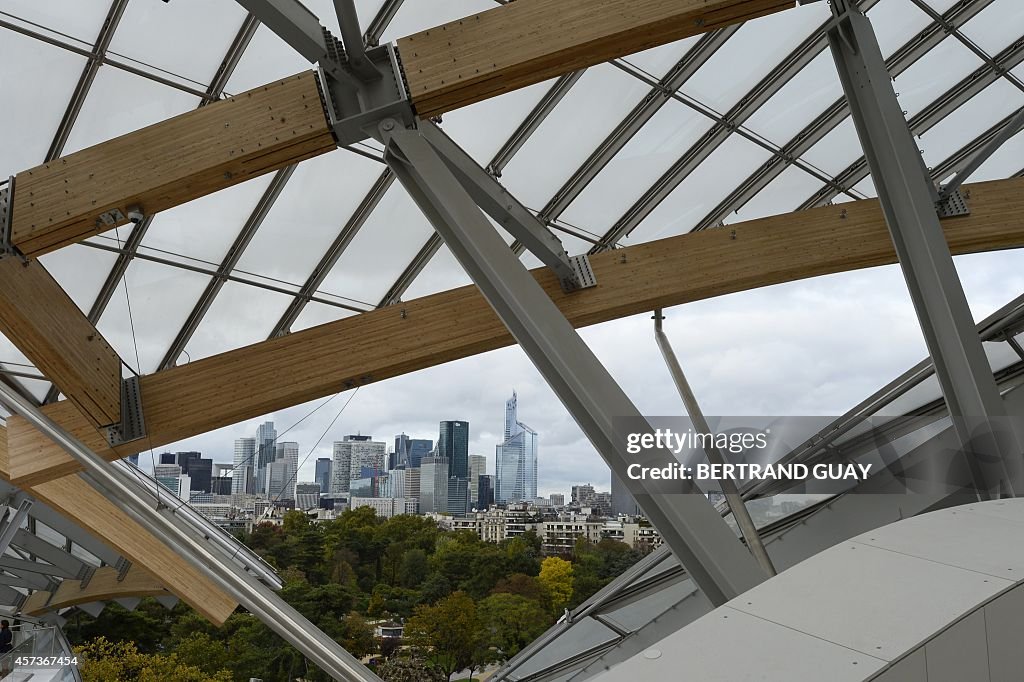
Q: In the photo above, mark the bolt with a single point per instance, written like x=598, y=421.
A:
x=388, y=125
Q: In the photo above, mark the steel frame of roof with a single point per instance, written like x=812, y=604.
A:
x=940, y=27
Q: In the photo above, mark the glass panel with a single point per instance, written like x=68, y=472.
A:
x=589, y=111
x=155, y=32
x=418, y=16
x=317, y=313
x=481, y=129
x=658, y=60
x=381, y=250
x=996, y=26
x=990, y=280
x=120, y=102
x=701, y=192
x=758, y=46
x=659, y=144
x=815, y=88
x=206, y=227
x=895, y=22
x=941, y=5
x=36, y=87
x=837, y=150
x=312, y=209
x=79, y=19
x=80, y=271
x=975, y=116
x=239, y=316
x=161, y=298
x=443, y=272
x=268, y=58
x=936, y=72
x=782, y=195
x=1006, y=162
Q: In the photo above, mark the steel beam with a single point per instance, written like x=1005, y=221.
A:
x=12, y=524
x=503, y=207
x=38, y=547
x=905, y=193
x=732, y=494
x=381, y=21
x=1010, y=129
x=405, y=280
x=275, y=613
x=931, y=115
x=690, y=526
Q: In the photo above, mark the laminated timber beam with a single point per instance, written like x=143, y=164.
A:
x=38, y=317
x=249, y=382
x=529, y=41
x=169, y=163
x=73, y=497
x=103, y=586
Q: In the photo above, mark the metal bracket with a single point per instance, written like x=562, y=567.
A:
x=355, y=112
x=585, y=277
x=7, y=248
x=133, y=424
x=85, y=575
x=122, y=567
x=111, y=218
x=953, y=204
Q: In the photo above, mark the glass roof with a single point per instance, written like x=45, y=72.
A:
x=740, y=114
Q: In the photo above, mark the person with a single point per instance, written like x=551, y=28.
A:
x=6, y=637
x=6, y=644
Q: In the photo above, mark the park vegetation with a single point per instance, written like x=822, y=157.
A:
x=465, y=604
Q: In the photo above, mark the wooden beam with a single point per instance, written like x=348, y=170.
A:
x=38, y=317
x=103, y=586
x=529, y=41
x=73, y=497
x=252, y=381
x=170, y=163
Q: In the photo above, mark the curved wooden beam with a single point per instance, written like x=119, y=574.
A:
x=249, y=382
x=103, y=586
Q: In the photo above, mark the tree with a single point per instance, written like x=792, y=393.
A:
x=522, y=585
x=449, y=633
x=511, y=622
x=102, y=661
x=409, y=669
x=556, y=579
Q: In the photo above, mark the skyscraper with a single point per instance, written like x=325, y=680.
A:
x=288, y=455
x=434, y=485
x=516, y=459
x=453, y=445
x=411, y=451
x=323, y=473
x=477, y=468
x=355, y=456
x=266, y=452
x=485, y=492
x=241, y=476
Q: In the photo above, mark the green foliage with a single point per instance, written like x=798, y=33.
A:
x=104, y=661
x=464, y=602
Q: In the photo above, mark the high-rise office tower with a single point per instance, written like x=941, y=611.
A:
x=242, y=474
x=477, y=468
x=434, y=485
x=288, y=452
x=356, y=457
x=266, y=452
x=458, y=496
x=323, y=473
x=168, y=458
x=411, y=451
x=485, y=492
x=516, y=459
x=199, y=469
x=453, y=445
